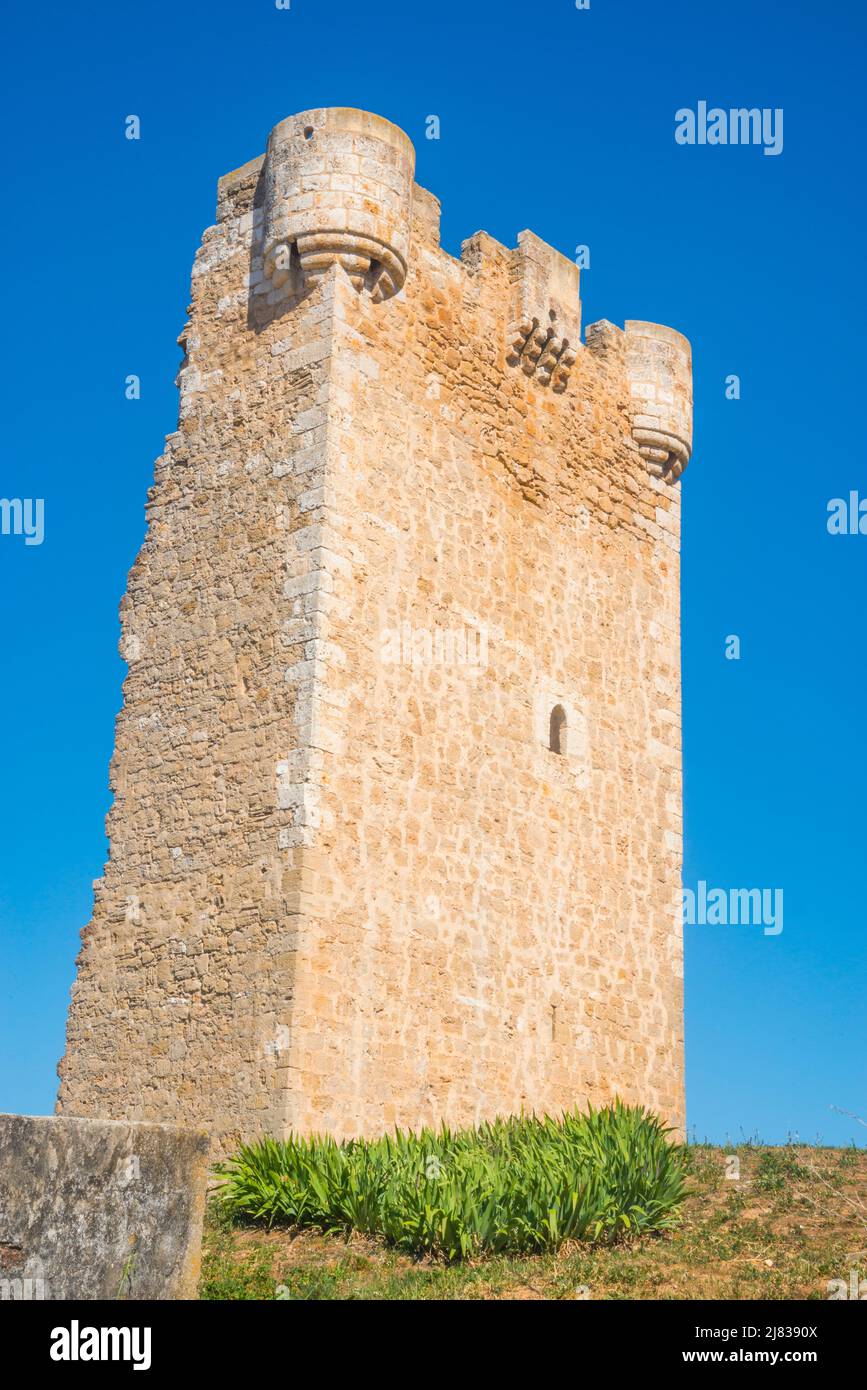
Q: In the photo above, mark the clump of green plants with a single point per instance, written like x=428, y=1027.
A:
x=513, y=1186
x=778, y=1167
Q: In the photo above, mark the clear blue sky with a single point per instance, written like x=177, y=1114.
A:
x=562, y=121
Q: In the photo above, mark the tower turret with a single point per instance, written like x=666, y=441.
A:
x=338, y=187
x=659, y=369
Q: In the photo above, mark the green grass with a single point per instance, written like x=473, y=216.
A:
x=739, y=1237
x=776, y=1169
x=511, y=1187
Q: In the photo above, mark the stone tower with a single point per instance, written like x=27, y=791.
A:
x=396, y=835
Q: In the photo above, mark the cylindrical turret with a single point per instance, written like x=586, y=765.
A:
x=338, y=187
x=659, y=369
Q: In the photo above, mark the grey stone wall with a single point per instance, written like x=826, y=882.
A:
x=99, y=1209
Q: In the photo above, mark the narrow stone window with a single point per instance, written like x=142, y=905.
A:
x=557, y=730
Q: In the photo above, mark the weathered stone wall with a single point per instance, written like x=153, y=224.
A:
x=99, y=1209
x=350, y=884
x=185, y=979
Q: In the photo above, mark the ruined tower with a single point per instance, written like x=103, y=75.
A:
x=396, y=835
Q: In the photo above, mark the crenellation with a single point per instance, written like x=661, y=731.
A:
x=425, y=219
x=544, y=334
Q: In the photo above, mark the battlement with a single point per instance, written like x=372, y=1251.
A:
x=335, y=186
x=545, y=328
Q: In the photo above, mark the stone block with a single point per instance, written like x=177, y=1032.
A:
x=100, y=1209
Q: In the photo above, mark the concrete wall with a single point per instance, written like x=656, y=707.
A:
x=95, y=1209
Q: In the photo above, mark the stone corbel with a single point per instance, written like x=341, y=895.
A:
x=545, y=320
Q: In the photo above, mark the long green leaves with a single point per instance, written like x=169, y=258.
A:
x=510, y=1186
